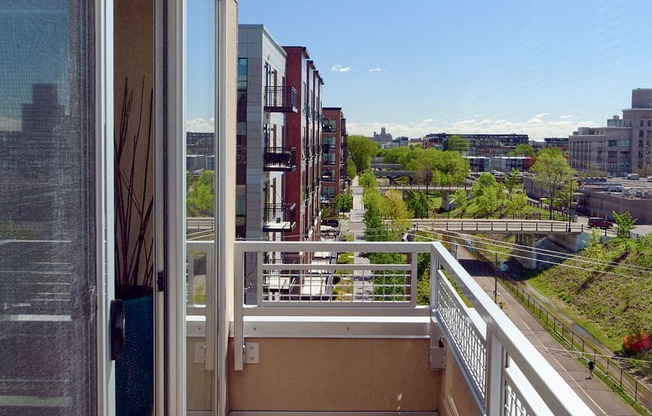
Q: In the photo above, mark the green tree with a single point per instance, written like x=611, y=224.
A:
x=625, y=223
x=516, y=201
x=350, y=169
x=513, y=180
x=552, y=173
x=487, y=194
x=393, y=207
x=396, y=154
x=522, y=149
x=343, y=202
x=461, y=201
x=457, y=143
x=362, y=150
x=368, y=180
x=417, y=203
x=375, y=229
x=200, y=201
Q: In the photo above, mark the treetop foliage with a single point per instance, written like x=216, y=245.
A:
x=362, y=149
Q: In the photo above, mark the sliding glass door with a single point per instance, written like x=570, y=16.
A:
x=53, y=214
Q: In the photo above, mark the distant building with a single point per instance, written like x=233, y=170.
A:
x=334, y=152
x=623, y=146
x=558, y=142
x=383, y=137
x=303, y=130
x=264, y=153
x=401, y=141
x=200, y=143
x=480, y=144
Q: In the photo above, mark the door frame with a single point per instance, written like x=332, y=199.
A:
x=169, y=207
x=104, y=198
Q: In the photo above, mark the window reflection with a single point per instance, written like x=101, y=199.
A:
x=47, y=254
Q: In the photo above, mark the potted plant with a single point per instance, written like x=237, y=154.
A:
x=134, y=250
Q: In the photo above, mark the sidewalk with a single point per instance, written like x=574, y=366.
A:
x=363, y=288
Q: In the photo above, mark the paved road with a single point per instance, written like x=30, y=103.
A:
x=593, y=391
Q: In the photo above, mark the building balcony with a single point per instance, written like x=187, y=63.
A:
x=328, y=177
x=280, y=159
x=281, y=99
x=279, y=217
x=352, y=338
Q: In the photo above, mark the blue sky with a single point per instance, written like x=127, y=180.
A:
x=416, y=66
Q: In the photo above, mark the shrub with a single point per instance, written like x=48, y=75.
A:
x=636, y=342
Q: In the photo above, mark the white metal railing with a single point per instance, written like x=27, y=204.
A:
x=506, y=373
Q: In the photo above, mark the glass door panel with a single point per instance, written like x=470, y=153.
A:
x=47, y=208
x=200, y=200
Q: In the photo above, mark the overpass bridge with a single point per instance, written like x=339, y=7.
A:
x=569, y=235
x=445, y=190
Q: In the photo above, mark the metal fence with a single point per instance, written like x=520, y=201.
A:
x=610, y=369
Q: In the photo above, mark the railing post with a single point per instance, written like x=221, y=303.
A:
x=238, y=301
x=434, y=283
x=494, y=386
x=259, y=278
x=413, y=278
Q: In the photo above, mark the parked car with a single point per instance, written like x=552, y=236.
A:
x=597, y=222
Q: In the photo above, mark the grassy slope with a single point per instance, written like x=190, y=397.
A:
x=609, y=304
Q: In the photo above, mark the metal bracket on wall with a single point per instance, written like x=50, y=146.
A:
x=251, y=353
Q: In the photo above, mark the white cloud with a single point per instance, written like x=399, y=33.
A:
x=566, y=116
x=200, y=125
x=542, y=115
x=339, y=68
x=377, y=69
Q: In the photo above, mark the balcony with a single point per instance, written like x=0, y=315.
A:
x=328, y=126
x=328, y=176
x=279, y=217
x=281, y=99
x=352, y=338
x=280, y=159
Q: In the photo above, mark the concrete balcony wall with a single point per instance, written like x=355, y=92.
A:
x=456, y=398
x=199, y=386
x=336, y=374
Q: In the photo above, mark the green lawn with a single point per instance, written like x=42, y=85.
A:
x=609, y=294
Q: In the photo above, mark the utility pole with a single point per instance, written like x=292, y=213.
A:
x=496, y=278
x=570, y=203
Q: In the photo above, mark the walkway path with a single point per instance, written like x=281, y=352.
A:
x=363, y=288
x=594, y=392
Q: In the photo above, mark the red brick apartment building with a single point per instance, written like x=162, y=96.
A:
x=303, y=129
x=334, y=154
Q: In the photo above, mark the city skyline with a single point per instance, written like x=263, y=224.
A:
x=535, y=68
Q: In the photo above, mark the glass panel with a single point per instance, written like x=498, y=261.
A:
x=200, y=201
x=200, y=136
x=47, y=221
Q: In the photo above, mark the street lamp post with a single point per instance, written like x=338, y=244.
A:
x=570, y=203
